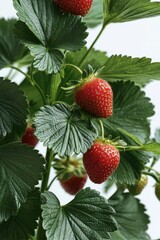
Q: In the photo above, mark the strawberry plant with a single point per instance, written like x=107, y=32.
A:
x=90, y=113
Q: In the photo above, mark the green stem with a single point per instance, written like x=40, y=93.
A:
x=32, y=81
x=19, y=70
x=153, y=162
x=9, y=74
x=151, y=169
x=54, y=180
x=152, y=175
x=129, y=148
x=40, y=232
x=92, y=45
x=47, y=172
x=74, y=66
x=102, y=128
x=36, y=85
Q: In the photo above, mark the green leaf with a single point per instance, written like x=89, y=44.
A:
x=10, y=49
x=140, y=70
x=131, y=109
x=131, y=217
x=128, y=10
x=87, y=216
x=62, y=130
x=46, y=31
x=21, y=226
x=95, y=15
x=20, y=169
x=13, y=107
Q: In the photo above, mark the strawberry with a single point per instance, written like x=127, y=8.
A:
x=71, y=173
x=76, y=7
x=157, y=190
x=138, y=186
x=100, y=161
x=29, y=137
x=95, y=96
x=74, y=184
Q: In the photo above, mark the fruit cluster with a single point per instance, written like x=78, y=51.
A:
x=94, y=95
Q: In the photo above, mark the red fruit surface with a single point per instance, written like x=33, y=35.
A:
x=29, y=137
x=74, y=184
x=100, y=161
x=76, y=7
x=96, y=97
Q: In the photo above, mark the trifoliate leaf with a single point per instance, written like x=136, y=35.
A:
x=21, y=226
x=62, y=130
x=95, y=15
x=10, y=49
x=131, y=109
x=46, y=31
x=131, y=217
x=128, y=10
x=88, y=216
x=140, y=70
x=13, y=107
x=20, y=169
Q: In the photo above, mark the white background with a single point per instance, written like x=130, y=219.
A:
x=138, y=39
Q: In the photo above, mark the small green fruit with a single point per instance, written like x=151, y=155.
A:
x=139, y=185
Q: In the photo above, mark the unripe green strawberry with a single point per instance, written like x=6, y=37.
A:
x=29, y=137
x=74, y=184
x=76, y=7
x=100, y=161
x=139, y=185
x=157, y=190
x=95, y=96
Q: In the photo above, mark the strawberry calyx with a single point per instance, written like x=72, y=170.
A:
x=68, y=166
x=117, y=142
x=87, y=75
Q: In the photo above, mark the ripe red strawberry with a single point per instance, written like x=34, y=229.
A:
x=74, y=184
x=96, y=97
x=29, y=137
x=139, y=185
x=76, y=7
x=100, y=161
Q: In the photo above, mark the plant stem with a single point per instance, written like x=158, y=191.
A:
x=19, y=70
x=129, y=148
x=53, y=180
x=47, y=172
x=102, y=128
x=152, y=175
x=151, y=169
x=40, y=232
x=36, y=85
x=32, y=81
x=92, y=45
x=74, y=66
